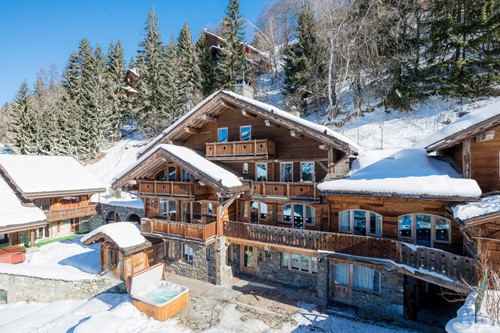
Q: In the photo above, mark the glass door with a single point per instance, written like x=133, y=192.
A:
x=248, y=259
x=424, y=225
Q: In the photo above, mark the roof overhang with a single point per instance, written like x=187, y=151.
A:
x=22, y=227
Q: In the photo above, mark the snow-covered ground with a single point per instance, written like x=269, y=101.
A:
x=466, y=320
x=67, y=260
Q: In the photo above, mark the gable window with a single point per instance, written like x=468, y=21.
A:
x=424, y=229
x=245, y=168
x=186, y=176
x=261, y=172
x=295, y=213
x=307, y=171
x=188, y=253
x=245, y=133
x=286, y=174
x=172, y=173
x=299, y=262
x=357, y=277
x=222, y=134
x=360, y=222
x=160, y=176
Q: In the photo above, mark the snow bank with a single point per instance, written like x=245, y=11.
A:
x=473, y=118
x=212, y=170
x=487, y=205
x=408, y=172
x=13, y=211
x=124, y=234
x=39, y=174
x=465, y=320
x=127, y=199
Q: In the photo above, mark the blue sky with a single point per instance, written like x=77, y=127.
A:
x=35, y=34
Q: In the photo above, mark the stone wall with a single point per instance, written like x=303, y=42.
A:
x=34, y=289
x=105, y=210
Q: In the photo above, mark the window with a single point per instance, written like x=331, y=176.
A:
x=245, y=133
x=197, y=210
x=43, y=204
x=299, y=263
x=286, y=172
x=360, y=222
x=261, y=172
x=188, y=254
x=112, y=257
x=425, y=229
x=258, y=211
x=168, y=209
x=172, y=174
x=163, y=207
x=307, y=171
x=160, y=176
x=244, y=211
x=152, y=203
x=357, y=277
x=186, y=176
x=245, y=167
x=222, y=134
x=295, y=213
x=186, y=212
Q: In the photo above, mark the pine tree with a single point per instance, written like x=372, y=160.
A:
x=174, y=103
x=206, y=66
x=22, y=134
x=151, y=87
x=189, y=72
x=231, y=62
x=116, y=82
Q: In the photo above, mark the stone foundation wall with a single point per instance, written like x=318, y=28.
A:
x=17, y=288
x=104, y=210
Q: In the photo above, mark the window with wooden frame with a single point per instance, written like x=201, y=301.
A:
x=152, y=203
x=360, y=222
x=261, y=171
x=222, y=134
x=112, y=257
x=307, y=171
x=186, y=176
x=299, y=215
x=298, y=262
x=245, y=168
x=245, y=133
x=286, y=172
x=258, y=211
x=172, y=174
x=188, y=253
x=424, y=229
x=357, y=277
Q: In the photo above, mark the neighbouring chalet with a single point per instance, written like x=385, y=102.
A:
x=236, y=185
x=256, y=60
x=132, y=76
x=58, y=186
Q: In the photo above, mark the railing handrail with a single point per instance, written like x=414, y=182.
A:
x=230, y=142
x=70, y=208
x=177, y=182
x=200, y=231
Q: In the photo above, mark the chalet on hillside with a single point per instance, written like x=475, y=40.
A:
x=58, y=185
x=236, y=185
x=132, y=76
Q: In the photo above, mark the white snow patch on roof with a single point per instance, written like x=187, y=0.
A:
x=134, y=71
x=212, y=170
x=465, y=322
x=473, y=118
x=39, y=174
x=124, y=234
x=487, y=205
x=407, y=172
x=13, y=212
x=127, y=199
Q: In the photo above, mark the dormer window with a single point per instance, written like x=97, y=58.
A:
x=245, y=133
x=223, y=134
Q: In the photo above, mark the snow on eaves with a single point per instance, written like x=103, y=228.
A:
x=212, y=170
x=405, y=173
x=487, y=205
x=461, y=124
x=124, y=234
x=13, y=212
x=35, y=174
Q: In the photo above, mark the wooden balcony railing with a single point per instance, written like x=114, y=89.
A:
x=290, y=190
x=70, y=213
x=254, y=148
x=173, y=188
x=434, y=260
x=202, y=232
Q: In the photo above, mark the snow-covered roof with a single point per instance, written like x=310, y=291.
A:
x=216, y=173
x=39, y=175
x=488, y=205
x=124, y=234
x=404, y=173
x=315, y=128
x=476, y=118
x=13, y=212
x=134, y=71
x=129, y=89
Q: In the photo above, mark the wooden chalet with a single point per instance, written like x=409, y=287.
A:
x=58, y=185
x=131, y=76
x=257, y=60
x=287, y=221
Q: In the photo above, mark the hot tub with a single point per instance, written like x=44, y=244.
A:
x=155, y=297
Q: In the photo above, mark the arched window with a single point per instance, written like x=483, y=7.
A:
x=360, y=222
x=299, y=214
x=424, y=229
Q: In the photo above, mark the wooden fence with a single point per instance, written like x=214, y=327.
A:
x=284, y=189
x=202, y=232
x=174, y=188
x=253, y=148
x=70, y=213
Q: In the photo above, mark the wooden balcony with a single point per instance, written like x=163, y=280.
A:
x=70, y=213
x=304, y=191
x=262, y=149
x=447, y=264
x=167, y=188
x=192, y=231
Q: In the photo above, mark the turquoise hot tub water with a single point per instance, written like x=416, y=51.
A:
x=161, y=293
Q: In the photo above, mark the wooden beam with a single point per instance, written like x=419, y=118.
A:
x=270, y=124
x=248, y=114
x=192, y=130
x=207, y=117
x=466, y=159
x=323, y=146
x=322, y=166
x=295, y=134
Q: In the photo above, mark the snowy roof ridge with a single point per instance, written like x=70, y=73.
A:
x=214, y=172
x=124, y=234
x=36, y=175
x=408, y=173
x=316, y=128
x=477, y=118
x=488, y=206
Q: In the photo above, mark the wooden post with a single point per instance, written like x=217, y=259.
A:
x=220, y=221
x=32, y=237
x=466, y=159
